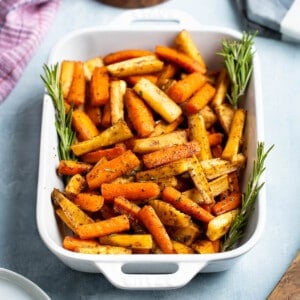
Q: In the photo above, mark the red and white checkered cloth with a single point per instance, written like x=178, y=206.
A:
x=23, y=24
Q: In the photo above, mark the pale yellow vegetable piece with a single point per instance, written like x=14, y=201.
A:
x=220, y=225
x=198, y=133
x=158, y=100
x=221, y=89
x=116, y=133
x=186, y=235
x=73, y=213
x=117, y=91
x=186, y=44
x=203, y=247
x=171, y=169
x=136, y=66
x=103, y=249
x=225, y=114
x=66, y=76
x=150, y=144
x=198, y=176
x=169, y=215
x=64, y=219
x=209, y=116
x=163, y=127
x=234, y=140
x=181, y=248
x=133, y=241
x=219, y=185
x=75, y=185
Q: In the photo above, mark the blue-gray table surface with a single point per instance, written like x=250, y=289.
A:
x=256, y=274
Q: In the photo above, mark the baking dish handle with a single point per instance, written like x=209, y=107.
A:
x=184, y=273
x=147, y=18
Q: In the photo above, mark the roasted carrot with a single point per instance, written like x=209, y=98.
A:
x=234, y=182
x=169, y=154
x=200, y=99
x=109, y=153
x=184, y=61
x=83, y=126
x=215, y=138
x=76, y=93
x=106, y=116
x=112, y=169
x=121, y=55
x=186, y=205
x=113, y=225
x=95, y=113
x=183, y=89
x=139, y=114
x=152, y=222
x=131, y=190
x=71, y=243
x=168, y=72
x=231, y=202
x=71, y=167
x=89, y=201
x=99, y=87
x=124, y=206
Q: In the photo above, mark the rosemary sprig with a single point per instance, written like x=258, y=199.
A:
x=238, y=57
x=62, y=120
x=254, y=185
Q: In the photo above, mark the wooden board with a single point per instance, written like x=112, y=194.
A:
x=288, y=288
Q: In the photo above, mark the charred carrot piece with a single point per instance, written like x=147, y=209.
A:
x=200, y=99
x=110, y=170
x=186, y=205
x=71, y=243
x=131, y=190
x=169, y=154
x=152, y=222
x=89, y=201
x=183, y=89
x=84, y=127
x=71, y=167
x=139, y=113
x=113, y=225
x=179, y=58
x=76, y=93
x=124, y=206
x=99, y=87
x=109, y=153
x=231, y=202
x=125, y=54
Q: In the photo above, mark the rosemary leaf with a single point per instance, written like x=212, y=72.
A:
x=254, y=185
x=63, y=121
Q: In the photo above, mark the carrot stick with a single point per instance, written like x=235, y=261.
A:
x=109, y=153
x=125, y=54
x=186, y=205
x=183, y=89
x=95, y=113
x=83, y=125
x=231, y=202
x=89, y=201
x=152, y=222
x=71, y=243
x=113, y=225
x=124, y=206
x=168, y=72
x=200, y=98
x=139, y=113
x=169, y=154
x=132, y=190
x=215, y=138
x=77, y=88
x=179, y=58
x=99, y=87
x=112, y=169
x=106, y=116
x=71, y=167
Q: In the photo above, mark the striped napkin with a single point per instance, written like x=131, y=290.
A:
x=278, y=19
x=23, y=23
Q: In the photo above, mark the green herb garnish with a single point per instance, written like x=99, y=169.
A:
x=254, y=185
x=238, y=57
x=62, y=120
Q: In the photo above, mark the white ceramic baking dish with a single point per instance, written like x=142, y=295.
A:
x=144, y=29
